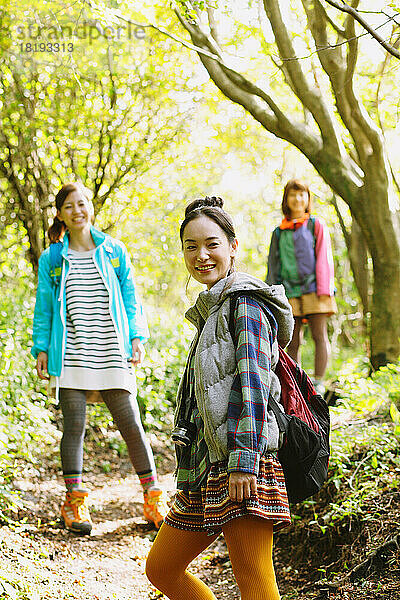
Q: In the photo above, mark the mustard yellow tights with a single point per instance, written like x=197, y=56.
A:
x=249, y=541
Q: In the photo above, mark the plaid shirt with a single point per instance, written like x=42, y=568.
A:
x=247, y=428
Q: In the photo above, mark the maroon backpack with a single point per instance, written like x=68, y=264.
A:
x=304, y=422
x=304, y=455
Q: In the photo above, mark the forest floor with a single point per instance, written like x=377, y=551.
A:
x=41, y=560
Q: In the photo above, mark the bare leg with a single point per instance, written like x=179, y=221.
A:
x=294, y=347
x=319, y=332
x=172, y=551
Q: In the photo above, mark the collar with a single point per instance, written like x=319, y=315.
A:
x=293, y=223
x=97, y=235
x=209, y=301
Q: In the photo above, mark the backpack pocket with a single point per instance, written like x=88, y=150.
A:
x=304, y=460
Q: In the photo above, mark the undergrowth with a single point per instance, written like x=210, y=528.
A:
x=26, y=428
x=358, y=506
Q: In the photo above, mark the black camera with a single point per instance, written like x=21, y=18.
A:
x=184, y=433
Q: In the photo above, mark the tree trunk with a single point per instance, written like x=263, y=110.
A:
x=358, y=255
x=379, y=229
x=378, y=226
x=385, y=314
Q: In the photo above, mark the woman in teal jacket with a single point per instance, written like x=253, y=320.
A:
x=88, y=327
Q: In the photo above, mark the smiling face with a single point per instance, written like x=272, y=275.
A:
x=297, y=201
x=207, y=251
x=76, y=212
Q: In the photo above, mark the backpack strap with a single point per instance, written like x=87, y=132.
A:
x=231, y=323
x=280, y=416
x=311, y=224
x=56, y=262
x=311, y=228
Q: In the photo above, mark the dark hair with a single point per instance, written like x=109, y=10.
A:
x=58, y=228
x=295, y=184
x=212, y=207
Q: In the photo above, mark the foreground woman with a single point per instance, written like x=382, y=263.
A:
x=228, y=475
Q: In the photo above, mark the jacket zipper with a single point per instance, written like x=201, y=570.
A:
x=206, y=421
x=62, y=316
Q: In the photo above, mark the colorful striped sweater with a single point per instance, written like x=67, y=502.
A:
x=302, y=261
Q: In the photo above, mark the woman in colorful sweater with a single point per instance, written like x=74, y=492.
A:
x=88, y=327
x=228, y=476
x=300, y=257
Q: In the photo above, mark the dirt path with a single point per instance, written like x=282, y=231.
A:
x=40, y=560
x=106, y=565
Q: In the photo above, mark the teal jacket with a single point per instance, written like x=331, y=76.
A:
x=49, y=322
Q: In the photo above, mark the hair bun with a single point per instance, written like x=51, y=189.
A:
x=212, y=201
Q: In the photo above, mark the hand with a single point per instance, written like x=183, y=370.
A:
x=138, y=352
x=41, y=365
x=242, y=486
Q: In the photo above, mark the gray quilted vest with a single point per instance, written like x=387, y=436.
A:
x=215, y=363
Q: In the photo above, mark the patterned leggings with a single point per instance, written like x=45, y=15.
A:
x=125, y=413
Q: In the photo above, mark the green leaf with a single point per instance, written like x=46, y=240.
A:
x=395, y=413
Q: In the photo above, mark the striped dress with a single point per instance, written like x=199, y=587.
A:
x=93, y=359
x=203, y=503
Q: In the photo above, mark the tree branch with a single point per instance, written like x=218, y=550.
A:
x=242, y=91
x=116, y=15
x=363, y=131
x=377, y=102
x=213, y=24
x=335, y=26
x=309, y=97
x=344, y=7
x=340, y=171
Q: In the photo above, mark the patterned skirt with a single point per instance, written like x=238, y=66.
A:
x=210, y=507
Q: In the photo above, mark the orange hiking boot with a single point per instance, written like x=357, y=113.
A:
x=155, y=507
x=75, y=512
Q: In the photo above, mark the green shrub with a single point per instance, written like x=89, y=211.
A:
x=158, y=379
x=25, y=421
x=365, y=393
x=364, y=443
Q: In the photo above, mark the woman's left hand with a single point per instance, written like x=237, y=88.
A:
x=242, y=486
x=138, y=352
